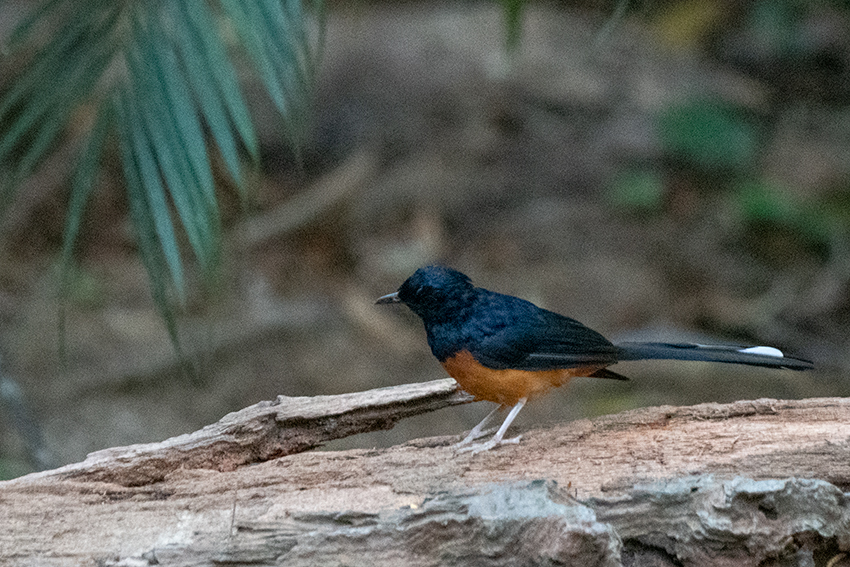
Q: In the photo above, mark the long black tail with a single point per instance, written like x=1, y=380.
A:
x=754, y=356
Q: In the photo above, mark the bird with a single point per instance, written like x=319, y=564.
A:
x=506, y=350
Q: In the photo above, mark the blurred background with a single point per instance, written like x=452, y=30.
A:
x=656, y=170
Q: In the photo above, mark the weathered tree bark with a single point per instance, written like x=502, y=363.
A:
x=751, y=483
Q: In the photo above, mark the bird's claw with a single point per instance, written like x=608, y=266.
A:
x=481, y=447
x=472, y=437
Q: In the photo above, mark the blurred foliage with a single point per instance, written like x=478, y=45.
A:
x=717, y=144
x=512, y=10
x=818, y=225
x=637, y=190
x=158, y=78
x=684, y=25
x=776, y=26
x=795, y=53
x=762, y=202
x=83, y=288
x=708, y=135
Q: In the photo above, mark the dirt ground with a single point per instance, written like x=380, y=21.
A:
x=430, y=143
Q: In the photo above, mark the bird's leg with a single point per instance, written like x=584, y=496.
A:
x=478, y=430
x=498, y=438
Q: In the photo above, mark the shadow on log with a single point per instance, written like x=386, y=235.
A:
x=750, y=483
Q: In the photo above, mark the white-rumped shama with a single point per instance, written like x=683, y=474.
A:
x=506, y=350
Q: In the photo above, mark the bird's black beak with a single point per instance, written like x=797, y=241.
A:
x=388, y=298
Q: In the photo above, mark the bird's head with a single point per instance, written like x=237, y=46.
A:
x=435, y=293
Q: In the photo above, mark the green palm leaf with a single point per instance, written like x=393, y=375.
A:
x=160, y=75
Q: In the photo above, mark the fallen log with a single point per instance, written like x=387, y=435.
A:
x=747, y=483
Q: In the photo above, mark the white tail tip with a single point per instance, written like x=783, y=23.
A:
x=763, y=350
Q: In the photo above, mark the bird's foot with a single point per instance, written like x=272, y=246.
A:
x=486, y=446
x=473, y=435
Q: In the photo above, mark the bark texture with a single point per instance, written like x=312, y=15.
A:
x=750, y=483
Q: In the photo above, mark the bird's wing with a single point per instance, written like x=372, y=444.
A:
x=518, y=334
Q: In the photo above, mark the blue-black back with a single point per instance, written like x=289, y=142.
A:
x=500, y=331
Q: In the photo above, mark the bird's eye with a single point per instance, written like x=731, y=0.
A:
x=425, y=291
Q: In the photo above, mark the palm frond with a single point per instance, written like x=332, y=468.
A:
x=39, y=105
x=281, y=61
x=161, y=74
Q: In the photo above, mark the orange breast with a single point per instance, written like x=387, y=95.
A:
x=506, y=387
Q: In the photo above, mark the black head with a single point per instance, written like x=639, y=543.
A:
x=433, y=292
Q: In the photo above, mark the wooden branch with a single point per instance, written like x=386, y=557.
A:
x=264, y=431
x=736, y=484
